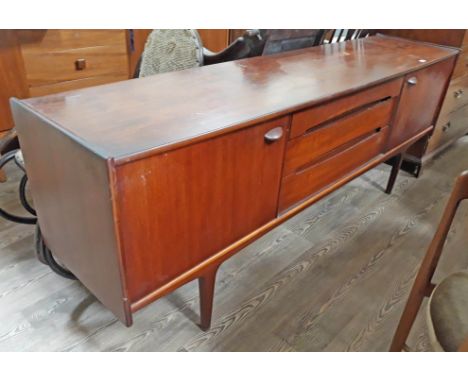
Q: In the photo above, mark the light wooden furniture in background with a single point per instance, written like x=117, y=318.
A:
x=229, y=153
x=453, y=120
x=39, y=62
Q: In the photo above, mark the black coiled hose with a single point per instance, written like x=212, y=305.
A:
x=43, y=253
x=11, y=155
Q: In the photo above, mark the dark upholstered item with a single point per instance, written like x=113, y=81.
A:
x=447, y=313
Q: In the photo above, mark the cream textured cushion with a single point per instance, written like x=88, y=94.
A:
x=168, y=50
x=447, y=313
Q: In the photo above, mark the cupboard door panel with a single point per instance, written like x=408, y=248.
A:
x=422, y=92
x=181, y=207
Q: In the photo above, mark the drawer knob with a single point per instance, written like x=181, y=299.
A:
x=446, y=127
x=458, y=93
x=80, y=64
x=274, y=134
x=412, y=80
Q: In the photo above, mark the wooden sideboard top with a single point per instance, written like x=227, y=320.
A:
x=133, y=118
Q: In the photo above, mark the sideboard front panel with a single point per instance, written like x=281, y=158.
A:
x=181, y=207
x=422, y=93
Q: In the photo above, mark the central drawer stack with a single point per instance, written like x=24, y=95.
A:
x=328, y=141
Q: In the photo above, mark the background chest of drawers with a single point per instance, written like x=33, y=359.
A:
x=153, y=188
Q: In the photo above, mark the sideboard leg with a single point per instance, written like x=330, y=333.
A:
x=397, y=160
x=206, y=286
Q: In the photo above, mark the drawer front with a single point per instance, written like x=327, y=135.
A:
x=457, y=95
x=59, y=56
x=37, y=41
x=307, y=119
x=422, y=92
x=310, y=147
x=37, y=91
x=449, y=128
x=52, y=67
x=304, y=183
x=461, y=68
x=437, y=136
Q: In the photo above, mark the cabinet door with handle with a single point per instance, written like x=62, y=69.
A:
x=180, y=207
x=420, y=98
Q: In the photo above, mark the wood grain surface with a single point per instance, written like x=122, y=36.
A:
x=133, y=118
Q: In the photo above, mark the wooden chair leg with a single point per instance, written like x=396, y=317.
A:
x=397, y=160
x=206, y=286
x=2, y=175
x=422, y=285
x=418, y=292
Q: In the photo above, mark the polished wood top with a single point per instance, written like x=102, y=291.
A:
x=132, y=118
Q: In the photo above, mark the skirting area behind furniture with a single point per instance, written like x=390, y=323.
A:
x=333, y=278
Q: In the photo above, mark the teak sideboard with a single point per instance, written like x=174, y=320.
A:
x=143, y=185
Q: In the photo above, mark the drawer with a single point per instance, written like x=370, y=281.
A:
x=306, y=119
x=461, y=68
x=438, y=133
x=449, y=128
x=306, y=182
x=457, y=95
x=338, y=134
x=37, y=41
x=59, y=66
x=58, y=87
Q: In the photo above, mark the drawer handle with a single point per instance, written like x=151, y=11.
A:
x=446, y=127
x=274, y=135
x=80, y=64
x=412, y=80
x=458, y=93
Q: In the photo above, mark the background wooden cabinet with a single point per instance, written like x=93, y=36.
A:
x=12, y=76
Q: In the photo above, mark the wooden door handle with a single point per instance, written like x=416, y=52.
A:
x=274, y=135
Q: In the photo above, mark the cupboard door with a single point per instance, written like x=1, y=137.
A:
x=421, y=95
x=180, y=207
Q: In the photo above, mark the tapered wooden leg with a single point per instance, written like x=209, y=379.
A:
x=206, y=285
x=397, y=160
x=2, y=176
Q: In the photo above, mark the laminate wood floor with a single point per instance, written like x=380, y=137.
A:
x=333, y=278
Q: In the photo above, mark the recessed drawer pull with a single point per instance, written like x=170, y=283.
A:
x=412, y=80
x=274, y=135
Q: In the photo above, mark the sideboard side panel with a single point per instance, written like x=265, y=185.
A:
x=180, y=207
x=72, y=197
